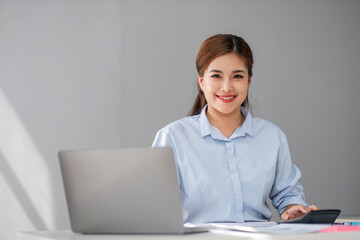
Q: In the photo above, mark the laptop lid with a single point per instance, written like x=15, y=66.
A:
x=122, y=190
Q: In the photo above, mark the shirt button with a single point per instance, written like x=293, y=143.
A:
x=230, y=147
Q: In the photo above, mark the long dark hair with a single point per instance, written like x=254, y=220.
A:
x=213, y=47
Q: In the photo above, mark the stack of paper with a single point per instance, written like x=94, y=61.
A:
x=271, y=227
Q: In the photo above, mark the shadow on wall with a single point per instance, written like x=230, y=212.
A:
x=20, y=194
x=26, y=174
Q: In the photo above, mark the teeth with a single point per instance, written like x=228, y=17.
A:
x=226, y=98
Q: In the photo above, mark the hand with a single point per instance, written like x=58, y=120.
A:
x=296, y=210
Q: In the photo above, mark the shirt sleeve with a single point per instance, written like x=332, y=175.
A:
x=286, y=188
x=164, y=138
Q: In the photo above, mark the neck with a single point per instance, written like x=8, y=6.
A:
x=226, y=123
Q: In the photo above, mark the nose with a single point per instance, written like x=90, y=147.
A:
x=227, y=86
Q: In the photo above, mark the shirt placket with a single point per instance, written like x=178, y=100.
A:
x=236, y=181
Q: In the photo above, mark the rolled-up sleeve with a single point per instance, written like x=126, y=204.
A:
x=286, y=188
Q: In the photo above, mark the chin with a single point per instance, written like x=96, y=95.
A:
x=226, y=111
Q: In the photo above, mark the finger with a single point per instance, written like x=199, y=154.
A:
x=307, y=209
x=303, y=209
x=285, y=216
x=298, y=211
x=313, y=208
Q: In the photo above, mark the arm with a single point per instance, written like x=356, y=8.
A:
x=287, y=193
x=164, y=138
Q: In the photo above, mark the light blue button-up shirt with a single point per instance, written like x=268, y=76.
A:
x=229, y=179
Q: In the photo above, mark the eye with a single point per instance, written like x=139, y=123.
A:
x=238, y=76
x=216, y=76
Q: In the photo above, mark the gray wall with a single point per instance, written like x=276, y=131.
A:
x=85, y=74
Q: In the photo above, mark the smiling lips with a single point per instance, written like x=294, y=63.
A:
x=226, y=98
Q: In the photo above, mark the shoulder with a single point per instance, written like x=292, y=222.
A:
x=181, y=124
x=262, y=126
x=178, y=131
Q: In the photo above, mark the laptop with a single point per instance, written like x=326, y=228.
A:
x=123, y=191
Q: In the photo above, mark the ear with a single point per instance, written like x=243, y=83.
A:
x=201, y=81
x=249, y=81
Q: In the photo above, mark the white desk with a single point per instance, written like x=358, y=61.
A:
x=214, y=234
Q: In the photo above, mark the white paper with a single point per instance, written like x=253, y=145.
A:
x=271, y=227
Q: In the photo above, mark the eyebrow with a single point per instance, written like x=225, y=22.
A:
x=235, y=71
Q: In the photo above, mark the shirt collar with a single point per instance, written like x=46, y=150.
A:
x=247, y=126
x=205, y=125
x=207, y=129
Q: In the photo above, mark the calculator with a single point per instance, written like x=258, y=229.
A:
x=318, y=216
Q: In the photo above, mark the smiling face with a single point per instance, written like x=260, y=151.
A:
x=225, y=84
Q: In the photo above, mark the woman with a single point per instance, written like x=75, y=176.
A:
x=228, y=162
